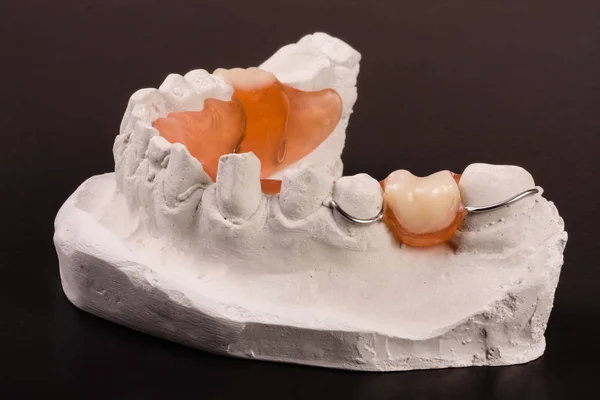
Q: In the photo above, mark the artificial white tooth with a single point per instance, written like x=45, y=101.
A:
x=238, y=186
x=303, y=191
x=209, y=86
x=139, y=142
x=484, y=184
x=180, y=94
x=184, y=175
x=246, y=78
x=423, y=204
x=359, y=195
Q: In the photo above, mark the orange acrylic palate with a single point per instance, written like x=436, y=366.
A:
x=270, y=186
x=276, y=122
x=208, y=134
x=266, y=111
x=313, y=117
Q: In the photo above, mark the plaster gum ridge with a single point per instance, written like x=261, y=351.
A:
x=220, y=266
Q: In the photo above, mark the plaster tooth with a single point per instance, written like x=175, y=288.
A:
x=482, y=184
x=184, y=175
x=306, y=68
x=180, y=94
x=144, y=105
x=495, y=232
x=238, y=186
x=133, y=155
x=139, y=142
x=139, y=190
x=158, y=149
x=119, y=146
x=209, y=86
x=359, y=195
x=339, y=51
x=303, y=191
x=346, y=87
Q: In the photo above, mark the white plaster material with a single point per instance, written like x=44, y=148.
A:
x=488, y=184
x=303, y=191
x=238, y=186
x=359, y=195
x=183, y=175
x=224, y=268
x=177, y=90
x=210, y=86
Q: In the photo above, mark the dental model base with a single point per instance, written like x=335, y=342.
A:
x=214, y=234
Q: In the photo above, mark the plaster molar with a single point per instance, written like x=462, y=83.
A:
x=362, y=197
x=210, y=86
x=218, y=264
x=487, y=184
x=303, y=191
x=177, y=90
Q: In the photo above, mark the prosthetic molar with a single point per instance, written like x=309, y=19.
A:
x=276, y=122
x=422, y=211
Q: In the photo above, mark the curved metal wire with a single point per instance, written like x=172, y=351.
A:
x=471, y=209
x=352, y=219
x=500, y=204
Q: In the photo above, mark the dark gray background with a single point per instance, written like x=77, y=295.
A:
x=442, y=84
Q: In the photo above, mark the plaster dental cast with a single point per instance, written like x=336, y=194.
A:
x=228, y=226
